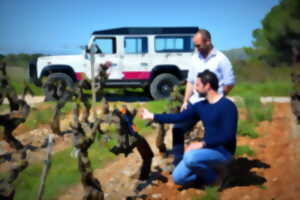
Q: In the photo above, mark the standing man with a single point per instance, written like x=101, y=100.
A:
x=206, y=57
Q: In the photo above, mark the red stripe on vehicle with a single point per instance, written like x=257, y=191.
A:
x=79, y=76
x=136, y=75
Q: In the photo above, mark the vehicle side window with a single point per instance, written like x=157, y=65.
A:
x=135, y=45
x=106, y=45
x=173, y=44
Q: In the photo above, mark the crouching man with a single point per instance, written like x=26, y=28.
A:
x=219, y=117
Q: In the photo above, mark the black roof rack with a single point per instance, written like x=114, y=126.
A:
x=147, y=30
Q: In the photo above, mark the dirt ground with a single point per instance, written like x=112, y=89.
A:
x=36, y=137
x=273, y=173
x=277, y=160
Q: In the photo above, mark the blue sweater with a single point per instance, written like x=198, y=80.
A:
x=219, y=121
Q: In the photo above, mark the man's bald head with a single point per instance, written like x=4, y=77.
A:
x=204, y=34
x=202, y=41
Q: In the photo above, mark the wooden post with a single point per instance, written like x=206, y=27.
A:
x=93, y=82
x=46, y=168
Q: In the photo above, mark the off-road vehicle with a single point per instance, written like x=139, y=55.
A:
x=153, y=58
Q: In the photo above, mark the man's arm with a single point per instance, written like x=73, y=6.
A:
x=227, y=89
x=191, y=78
x=188, y=93
x=228, y=74
x=190, y=113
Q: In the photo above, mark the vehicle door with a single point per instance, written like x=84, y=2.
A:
x=107, y=52
x=135, y=58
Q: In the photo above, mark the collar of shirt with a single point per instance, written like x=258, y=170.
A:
x=212, y=53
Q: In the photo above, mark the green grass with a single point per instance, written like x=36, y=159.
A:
x=67, y=108
x=255, y=113
x=38, y=117
x=157, y=106
x=17, y=76
x=244, y=150
x=211, y=193
x=123, y=91
x=269, y=88
x=263, y=187
x=257, y=77
x=18, y=85
x=62, y=175
x=118, y=91
x=246, y=128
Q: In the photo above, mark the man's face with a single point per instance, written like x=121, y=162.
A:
x=201, y=44
x=201, y=88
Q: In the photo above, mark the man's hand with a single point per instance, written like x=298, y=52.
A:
x=227, y=89
x=184, y=106
x=194, y=145
x=145, y=114
x=188, y=93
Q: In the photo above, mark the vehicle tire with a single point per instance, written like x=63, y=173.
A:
x=162, y=85
x=147, y=91
x=56, y=87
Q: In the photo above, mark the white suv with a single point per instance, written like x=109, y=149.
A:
x=154, y=58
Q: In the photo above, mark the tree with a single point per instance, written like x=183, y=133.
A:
x=279, y=38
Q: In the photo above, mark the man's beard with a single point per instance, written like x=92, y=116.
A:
x=205, y=51
x=202, y=94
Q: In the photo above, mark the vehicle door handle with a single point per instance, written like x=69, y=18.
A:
x=144, y=64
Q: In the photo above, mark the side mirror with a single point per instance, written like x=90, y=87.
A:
x=92, y=49
x=84, y=47
x=86, y=51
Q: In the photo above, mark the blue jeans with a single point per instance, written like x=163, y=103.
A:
x=178, y=132
x=200, y=165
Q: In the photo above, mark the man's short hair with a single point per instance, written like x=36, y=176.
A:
x=204, y=33
x=209, y=77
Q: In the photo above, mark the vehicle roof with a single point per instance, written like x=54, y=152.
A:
x=147, y=30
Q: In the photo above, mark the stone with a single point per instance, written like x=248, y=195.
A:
x=156, y=196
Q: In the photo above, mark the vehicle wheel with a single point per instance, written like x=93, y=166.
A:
x=56, y=87
x=162, y=85
x=147, y=91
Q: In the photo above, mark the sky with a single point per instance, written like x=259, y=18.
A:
x=62, y=26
